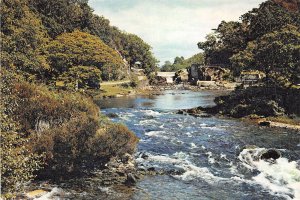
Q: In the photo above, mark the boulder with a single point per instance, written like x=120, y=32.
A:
x=35, y=194
x=265, y=123
x=270, y=154
x=112, y=115
x=131, y=180
x=144, y=156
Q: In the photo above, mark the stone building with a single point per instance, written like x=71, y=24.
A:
x=206, y=73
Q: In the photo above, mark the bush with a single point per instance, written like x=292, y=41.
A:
x=18, y=164
x=262, y=101
x=134, y=81
x=112, y=140
x=69, y=130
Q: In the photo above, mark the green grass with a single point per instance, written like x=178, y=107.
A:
x=113, y=91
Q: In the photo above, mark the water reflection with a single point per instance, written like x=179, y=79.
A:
x=170, y=100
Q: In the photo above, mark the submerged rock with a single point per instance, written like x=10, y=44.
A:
x=265, y=123
x=112, y=115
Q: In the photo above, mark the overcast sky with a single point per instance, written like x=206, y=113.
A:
x=172, y=27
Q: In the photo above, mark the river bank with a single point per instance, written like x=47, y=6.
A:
x=186, y=157
x=214, y=156
x=272, y=122
x=266, y=106
x=121, y=90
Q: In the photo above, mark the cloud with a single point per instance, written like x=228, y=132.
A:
x=172, y=27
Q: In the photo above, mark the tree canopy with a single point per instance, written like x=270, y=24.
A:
x=136, y=51
x=181, y=63
x=266, y=38
x=82, y=49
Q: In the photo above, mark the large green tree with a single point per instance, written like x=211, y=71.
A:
x=278, y=54
x=23, y=40
x=227, y=39
x=135, y=50
x=232, y=42
x=82, y=49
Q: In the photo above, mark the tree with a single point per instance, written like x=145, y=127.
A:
x=81, y=77
x=167, y=67
x=82, y=49
x=23, y=40
x=135, y=50
x=278, y=54
x=228, y=39
x=270, y=16
x=195, y=59
x=244, y=60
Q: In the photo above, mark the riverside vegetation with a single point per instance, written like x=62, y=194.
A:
x=266, y=39
x=53, y=53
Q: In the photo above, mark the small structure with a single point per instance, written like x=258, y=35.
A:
x=206, y=73
x=251, y=77
x=169, y=76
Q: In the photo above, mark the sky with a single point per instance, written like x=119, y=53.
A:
x=172, y=27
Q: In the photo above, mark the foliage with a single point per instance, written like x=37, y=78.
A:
x=81, y=77
x=23, y=40
x=181, y=63
x=244, y=60
x=270, y=16
x=59, y=16
x=112, y=140
x=62, y=125
x=27, y=25
x=18, y=164
x=136, y=51
x=79, y=48
x=63, y=42
x=226, y=40
x=260, y=101
x=278, y=54
x=247, y=44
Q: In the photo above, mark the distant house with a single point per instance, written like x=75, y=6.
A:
x=206, y=73
x=251, y=77
x=169, y=76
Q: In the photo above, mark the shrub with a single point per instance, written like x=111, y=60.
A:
x=68, y=128
x=266, y=101
x=112, y=140
x=18, y=164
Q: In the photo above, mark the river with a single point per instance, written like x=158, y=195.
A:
x=210, y=152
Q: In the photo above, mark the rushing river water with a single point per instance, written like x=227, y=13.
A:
x=209, y=151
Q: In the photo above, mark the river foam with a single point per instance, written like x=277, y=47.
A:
x=281, y=177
